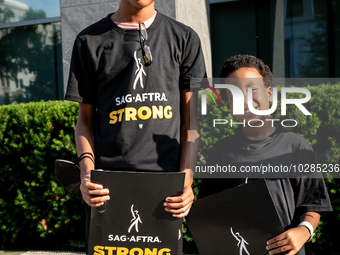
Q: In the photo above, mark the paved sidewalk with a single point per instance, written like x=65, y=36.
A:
x=11, y=252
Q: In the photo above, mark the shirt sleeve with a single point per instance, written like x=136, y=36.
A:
x=81, y=83
x=310, y=191
x=192, y=66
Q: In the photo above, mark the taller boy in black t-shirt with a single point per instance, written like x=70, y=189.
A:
x=131, y=73
x=298, y=201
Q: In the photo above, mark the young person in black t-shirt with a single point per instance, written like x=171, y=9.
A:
x=131, y=74
x=298, y=201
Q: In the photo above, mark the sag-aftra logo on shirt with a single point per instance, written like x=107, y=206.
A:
x=143, y=112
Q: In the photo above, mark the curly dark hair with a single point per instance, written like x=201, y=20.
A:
x=248, y=61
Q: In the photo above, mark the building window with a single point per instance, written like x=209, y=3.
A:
x=40, y=55
x=307, y=39
x=32, y=28
x=294, y=9
x=17, y=11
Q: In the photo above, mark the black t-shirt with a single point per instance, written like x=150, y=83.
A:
x=137, y=122
x=291, y=197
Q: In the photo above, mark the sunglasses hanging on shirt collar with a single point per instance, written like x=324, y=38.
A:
x=145, y=48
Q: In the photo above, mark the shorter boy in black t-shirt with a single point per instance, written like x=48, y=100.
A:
x=298, y=201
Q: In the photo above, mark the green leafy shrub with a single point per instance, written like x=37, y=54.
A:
x=35, y=212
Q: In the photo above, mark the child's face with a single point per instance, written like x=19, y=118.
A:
x=244, y=78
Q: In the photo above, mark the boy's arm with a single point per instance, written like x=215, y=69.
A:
x=93, y=194
x=293, y=239
x=180, y=206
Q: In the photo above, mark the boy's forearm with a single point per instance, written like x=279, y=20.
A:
x=189, y=136
x=312, y=217
x=84, y=139
x=189, y=149
x=84, y=143
x=93, y=194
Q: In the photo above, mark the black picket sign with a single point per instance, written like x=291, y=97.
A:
x=236, y=221
x=134, y=221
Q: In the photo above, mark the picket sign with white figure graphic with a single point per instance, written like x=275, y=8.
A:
x=134, y=220
x=220, y=224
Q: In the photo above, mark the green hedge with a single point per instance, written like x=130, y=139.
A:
x=33, y=135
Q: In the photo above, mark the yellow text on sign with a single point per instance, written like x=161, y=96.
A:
x=108, y=250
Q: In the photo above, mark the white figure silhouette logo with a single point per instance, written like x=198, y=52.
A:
x=241, y=242
x=139, y=72
x=135, y=219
